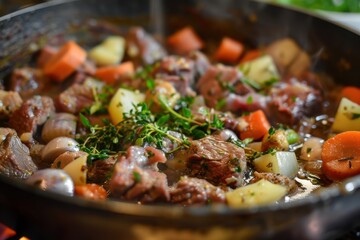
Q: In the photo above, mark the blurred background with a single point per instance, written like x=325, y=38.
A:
x=342, y=11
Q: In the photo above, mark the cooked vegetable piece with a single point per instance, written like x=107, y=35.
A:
x=261, y=70
x=311, y=149
x=65, y=61
x=251, y=55
x=275, y=139
x=91, y=191
x=77, y=170
x=257, y=127
x=284, y=163
x=161, y=89
x=341, y=156
x=352, y=93
x=229, y=50
x=185, y=41
x=54, y=180
x=260, y=193
x=109, y=52
x=347, y=117
x=58, y=146
x=111, y=74
x=123, y=101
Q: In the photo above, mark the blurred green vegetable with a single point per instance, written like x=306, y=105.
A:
x=328, y=5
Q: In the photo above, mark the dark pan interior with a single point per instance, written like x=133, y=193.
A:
x=334, y=51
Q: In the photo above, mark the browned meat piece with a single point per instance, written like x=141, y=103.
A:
x=219, y=82
x=100, y=171
x=6, y=131
x=15, y=160
x=217, y=161
x=134, y=179
x=201, y=62
x=142, y=48
x=277, y=179
x=246, y=103
x=179, y=71
x=75, y=98
x=189, y=191
x=32, y=113
x=293, y=100
x=9, y=103
x=27, y=81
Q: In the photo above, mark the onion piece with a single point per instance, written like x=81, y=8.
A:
x=54, y=180
x=311, y=149
x=61, y=125
x=58, y=146
x=284, y=163
x=77, y=170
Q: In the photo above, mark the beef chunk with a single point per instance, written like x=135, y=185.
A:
x=179, y=71
x=9, y=103
x=100, y=171
x=32, y=113
x=201, y=62
x=276, y=179
x=219, y=82
x=142, y=48
x=134, y=178
x=289, y=101
x=15, y=160
x=217, y=161
x=27, y=81
x=189, y=191
x=75, y=98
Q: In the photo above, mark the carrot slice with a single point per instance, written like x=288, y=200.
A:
x=258, y=125
x=110, y=74
x=351, y=93
x=229, y=50
x=341, y=156
x=251, y=55
x=185, y=41
x=91, y=191
x=65, y=61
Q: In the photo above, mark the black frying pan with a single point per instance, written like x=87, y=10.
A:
x=40, y=215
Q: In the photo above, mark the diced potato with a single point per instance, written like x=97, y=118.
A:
x=123, y=101
x=347, y=117
x=161, y=89
x=284, y=163
x=109, y=52
x=77, y=170
x=261, y=70
x=260, y=193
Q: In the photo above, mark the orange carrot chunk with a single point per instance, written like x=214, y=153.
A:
x=341, y=156
x=229, y=50
x=46, y=53
x=91, y=191
x=258, y=125
x=65, y=61
x=111, y=74
x=351, y=93
x=251, y=55
x=185, y=41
